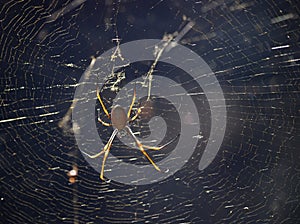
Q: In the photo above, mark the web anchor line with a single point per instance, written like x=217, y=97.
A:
x=169, y=41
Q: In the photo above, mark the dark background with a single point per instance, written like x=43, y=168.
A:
x=253, y=179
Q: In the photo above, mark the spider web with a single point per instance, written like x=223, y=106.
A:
x=251, y=46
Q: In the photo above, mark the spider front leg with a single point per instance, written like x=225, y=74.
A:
x=102, y=104
x=132, y=103
x=131, y=106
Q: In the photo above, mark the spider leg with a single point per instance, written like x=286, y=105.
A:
x=101, y=121
x=160, y=147
x=137, y=114
x=105, y=147
x=102, y=104
x=106, y=150
x=132, y=102
x=140, y=145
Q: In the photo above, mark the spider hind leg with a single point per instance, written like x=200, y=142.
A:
x=140, y=145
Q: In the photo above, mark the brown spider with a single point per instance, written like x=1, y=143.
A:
x=119, y=121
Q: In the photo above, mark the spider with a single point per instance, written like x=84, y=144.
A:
x=119, y=121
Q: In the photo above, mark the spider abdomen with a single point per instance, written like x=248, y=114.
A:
x=118, y=117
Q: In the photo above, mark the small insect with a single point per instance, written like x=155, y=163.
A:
x=119, y=121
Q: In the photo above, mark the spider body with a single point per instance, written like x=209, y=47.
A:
x=118, y=117
x=119, y=121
